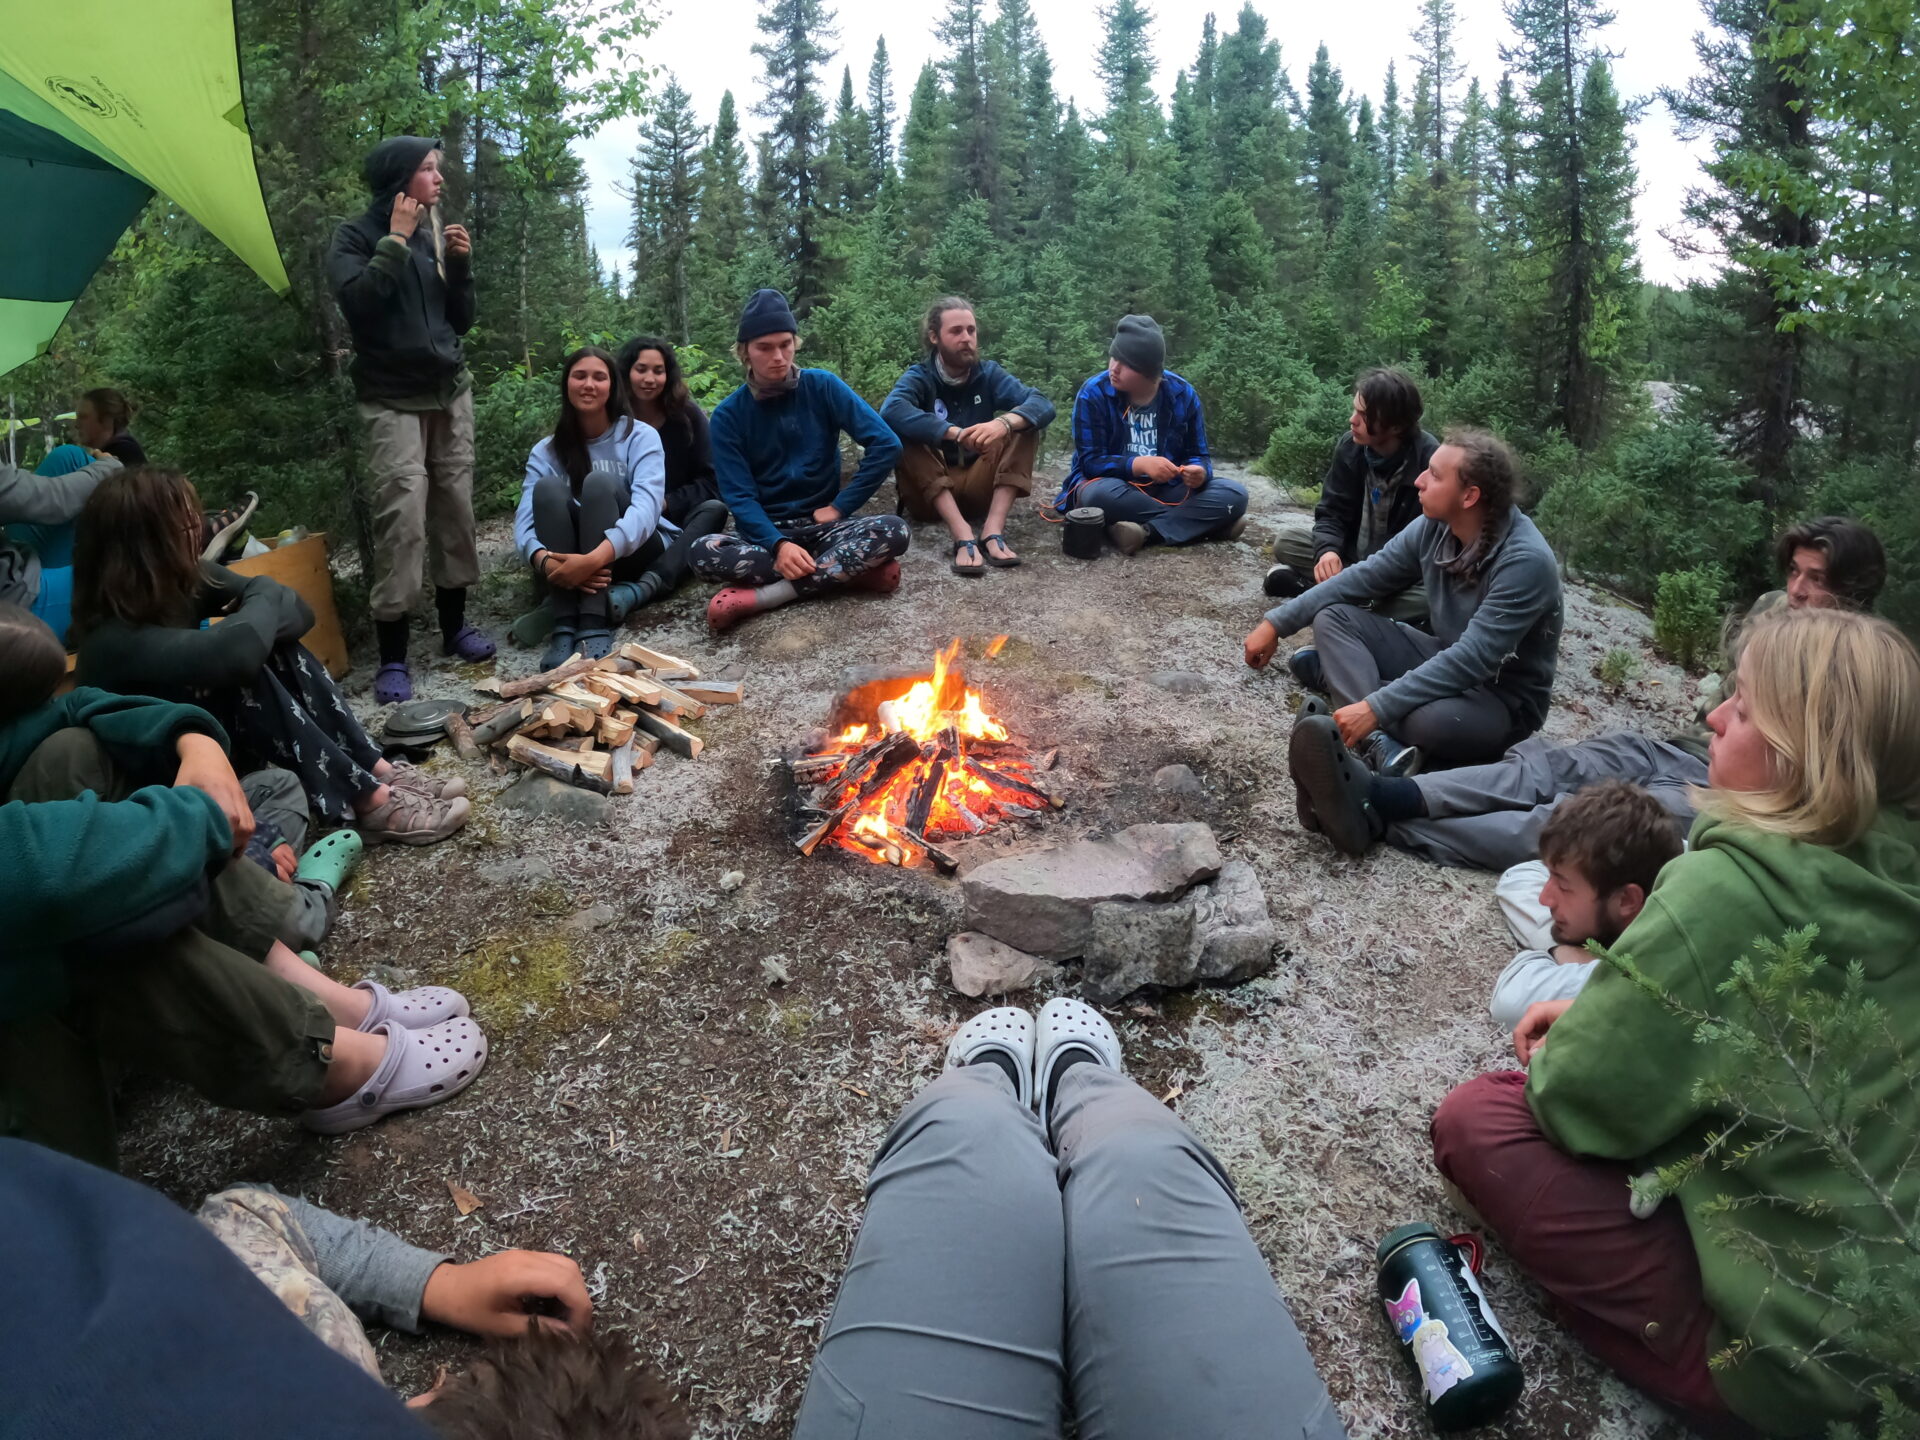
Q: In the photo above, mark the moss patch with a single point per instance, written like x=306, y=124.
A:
x=526, y=984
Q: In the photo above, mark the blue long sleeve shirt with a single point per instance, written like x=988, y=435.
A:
x=778, y=460
x=922, y=405
x=1103, y=438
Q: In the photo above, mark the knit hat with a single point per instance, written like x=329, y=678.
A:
x=1139, y=344
x=390, y=164
x=767, y=313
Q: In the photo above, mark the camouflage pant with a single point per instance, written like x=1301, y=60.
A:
x=259, y=1229
x=842, y=549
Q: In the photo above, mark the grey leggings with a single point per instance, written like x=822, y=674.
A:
x=997, y=1289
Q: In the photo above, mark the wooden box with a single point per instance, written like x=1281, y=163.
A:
x=302, y=567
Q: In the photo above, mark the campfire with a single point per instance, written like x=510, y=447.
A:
x=932, y=763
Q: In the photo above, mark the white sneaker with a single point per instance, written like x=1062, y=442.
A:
x=1068, y=1024
x=1127, y=536
x=1009, y=1030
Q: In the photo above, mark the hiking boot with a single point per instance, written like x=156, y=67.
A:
x=1388, y=758
x=1304, y=664
x=1283, y=582
x=415, y=781
x=1237, y=528
x=1330, y=781
x=1128, y=537
x=410, y=818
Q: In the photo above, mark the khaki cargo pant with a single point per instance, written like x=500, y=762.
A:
x=922, y=472
x=421, y=464
x=197, y=1007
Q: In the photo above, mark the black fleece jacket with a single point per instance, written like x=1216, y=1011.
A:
x=1339, y=518
x=405, y=317
x=176, y=662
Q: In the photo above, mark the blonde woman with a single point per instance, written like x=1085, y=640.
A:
x=1809, y=819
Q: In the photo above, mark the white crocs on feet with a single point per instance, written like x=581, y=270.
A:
x=1066, y=1024
x=420, y=1008
x=1008, y=1029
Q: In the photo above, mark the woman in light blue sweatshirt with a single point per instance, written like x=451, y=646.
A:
x=590, y=510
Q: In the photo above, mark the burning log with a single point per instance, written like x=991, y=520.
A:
x=926, y=789
x=811, y=769
x=900, y=747
x=1001, y=778
x=810, y=841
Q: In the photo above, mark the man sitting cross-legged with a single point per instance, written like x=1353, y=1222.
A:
x=968, y=434
x=1140, y=451
x=1482, y=680
x=1370, y=494
x=138, y=938
x=776, y=453
x=1490, y=816
x=1599, y=856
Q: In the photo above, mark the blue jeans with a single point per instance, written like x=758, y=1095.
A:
x=1172, y=514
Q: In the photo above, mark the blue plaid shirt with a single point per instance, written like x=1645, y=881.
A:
x=1101, y=431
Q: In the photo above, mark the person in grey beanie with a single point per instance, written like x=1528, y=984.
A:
x=1140, y=451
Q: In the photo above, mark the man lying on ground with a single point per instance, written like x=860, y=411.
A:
x=1370, y=494
x=137, y=938
x=776, y=449
x=1489, y=817
x=1599, y=856
x=1140, y=451
x=1482, y=680
x=968, y=435
x=144, y=1323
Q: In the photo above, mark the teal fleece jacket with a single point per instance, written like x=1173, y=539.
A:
x=74, y=868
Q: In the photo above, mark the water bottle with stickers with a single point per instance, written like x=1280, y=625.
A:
x=1467, y=1370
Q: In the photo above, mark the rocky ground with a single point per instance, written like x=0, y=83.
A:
x=687, y=1079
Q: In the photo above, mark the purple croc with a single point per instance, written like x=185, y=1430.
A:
x=420, y=1067
x=392, y=683
x=469, y=645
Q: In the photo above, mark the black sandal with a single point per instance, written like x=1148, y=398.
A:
x=972, y=572
x=994, y=560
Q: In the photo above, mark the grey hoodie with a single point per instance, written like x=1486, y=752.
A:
x=30, y=499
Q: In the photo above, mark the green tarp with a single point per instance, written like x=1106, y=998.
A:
x=103, y=102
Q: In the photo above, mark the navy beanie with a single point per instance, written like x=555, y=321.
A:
x=1139, y=345
x=767, y=313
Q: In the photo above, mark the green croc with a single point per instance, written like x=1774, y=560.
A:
x=332, y=860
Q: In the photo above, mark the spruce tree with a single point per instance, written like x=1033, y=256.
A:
x=971, y=142
x=1014, y=47
x=880, y=109
x=925, y=145
x=798, y=33
x=1440, y=64
x=666, y=192
x=1125, y=67
x=719, y=234
x=853, y=181
x=1329, y=138
x=1393, y=131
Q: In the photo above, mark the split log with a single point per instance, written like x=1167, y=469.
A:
x=628, y=689
x=546, y=680
x=997, y=777
x=461, y=734
x=941, y=860
x=672, y=702
x=657, y=660
x=503, y=722
x=576, y=694
x=544, y=758
x=622, y=758
x=811, y=840
x=810, y=769
x=891, y=750
x=482, y=717
x=599, y=765
x=572, y=744
x=926, y=789
x=681, y=742
x=714, y=692
x=646, y=745
x=614, y=730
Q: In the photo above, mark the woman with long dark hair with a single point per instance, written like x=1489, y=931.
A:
x=140, y=594
x=657, y=395
x=589, y=515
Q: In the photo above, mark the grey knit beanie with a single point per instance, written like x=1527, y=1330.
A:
x=1139, y=344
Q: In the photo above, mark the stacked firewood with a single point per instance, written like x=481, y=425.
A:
x=597, y=723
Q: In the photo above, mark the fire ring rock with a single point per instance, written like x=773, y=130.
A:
x=1131, y=943
x=982, y=965
x=1042, y=901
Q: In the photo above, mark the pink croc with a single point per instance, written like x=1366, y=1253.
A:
x=730, y=606
x=421, y=1067
x=420, y=1008
x=881, y=580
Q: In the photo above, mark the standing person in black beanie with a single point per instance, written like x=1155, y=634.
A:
x=405, y=283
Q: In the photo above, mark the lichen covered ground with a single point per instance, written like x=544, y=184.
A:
x=694, y=1128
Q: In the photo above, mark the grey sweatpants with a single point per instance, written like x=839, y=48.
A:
x=1488, y=817
x=1360, y=651
x=997, y=1288
x=275, y=796
x=1293, y=546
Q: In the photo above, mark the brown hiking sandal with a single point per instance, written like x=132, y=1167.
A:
x=410, y=777
x=410, y=818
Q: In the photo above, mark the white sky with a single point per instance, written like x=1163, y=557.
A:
x=707, y=44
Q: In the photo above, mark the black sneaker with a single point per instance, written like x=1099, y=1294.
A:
x=1388, y=758
x=1332, y=786
x=1283, y=582
x=1305, y=665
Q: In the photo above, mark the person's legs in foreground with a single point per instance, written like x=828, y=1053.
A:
x=1174, y=1324
x=859, y=553
x=1629, y=1289
x=947, y=1326
x=452, y=550
x=279, y=804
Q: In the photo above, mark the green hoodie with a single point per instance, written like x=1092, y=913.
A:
x=1616, y=1077
x=74, y=868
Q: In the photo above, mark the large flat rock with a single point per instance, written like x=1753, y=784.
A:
x=981, y=965
x=1042, y=902
x=1134, y=943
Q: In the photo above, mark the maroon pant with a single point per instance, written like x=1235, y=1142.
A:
x=1630, y=1289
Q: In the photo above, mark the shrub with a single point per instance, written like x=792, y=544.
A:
x=1617, y=668
x=1313, y=419
x=512, y=413
x=1687, y=613
x=1250, y=379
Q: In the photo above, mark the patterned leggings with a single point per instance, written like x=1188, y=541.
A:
x=842, y=550
x=295, y=717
